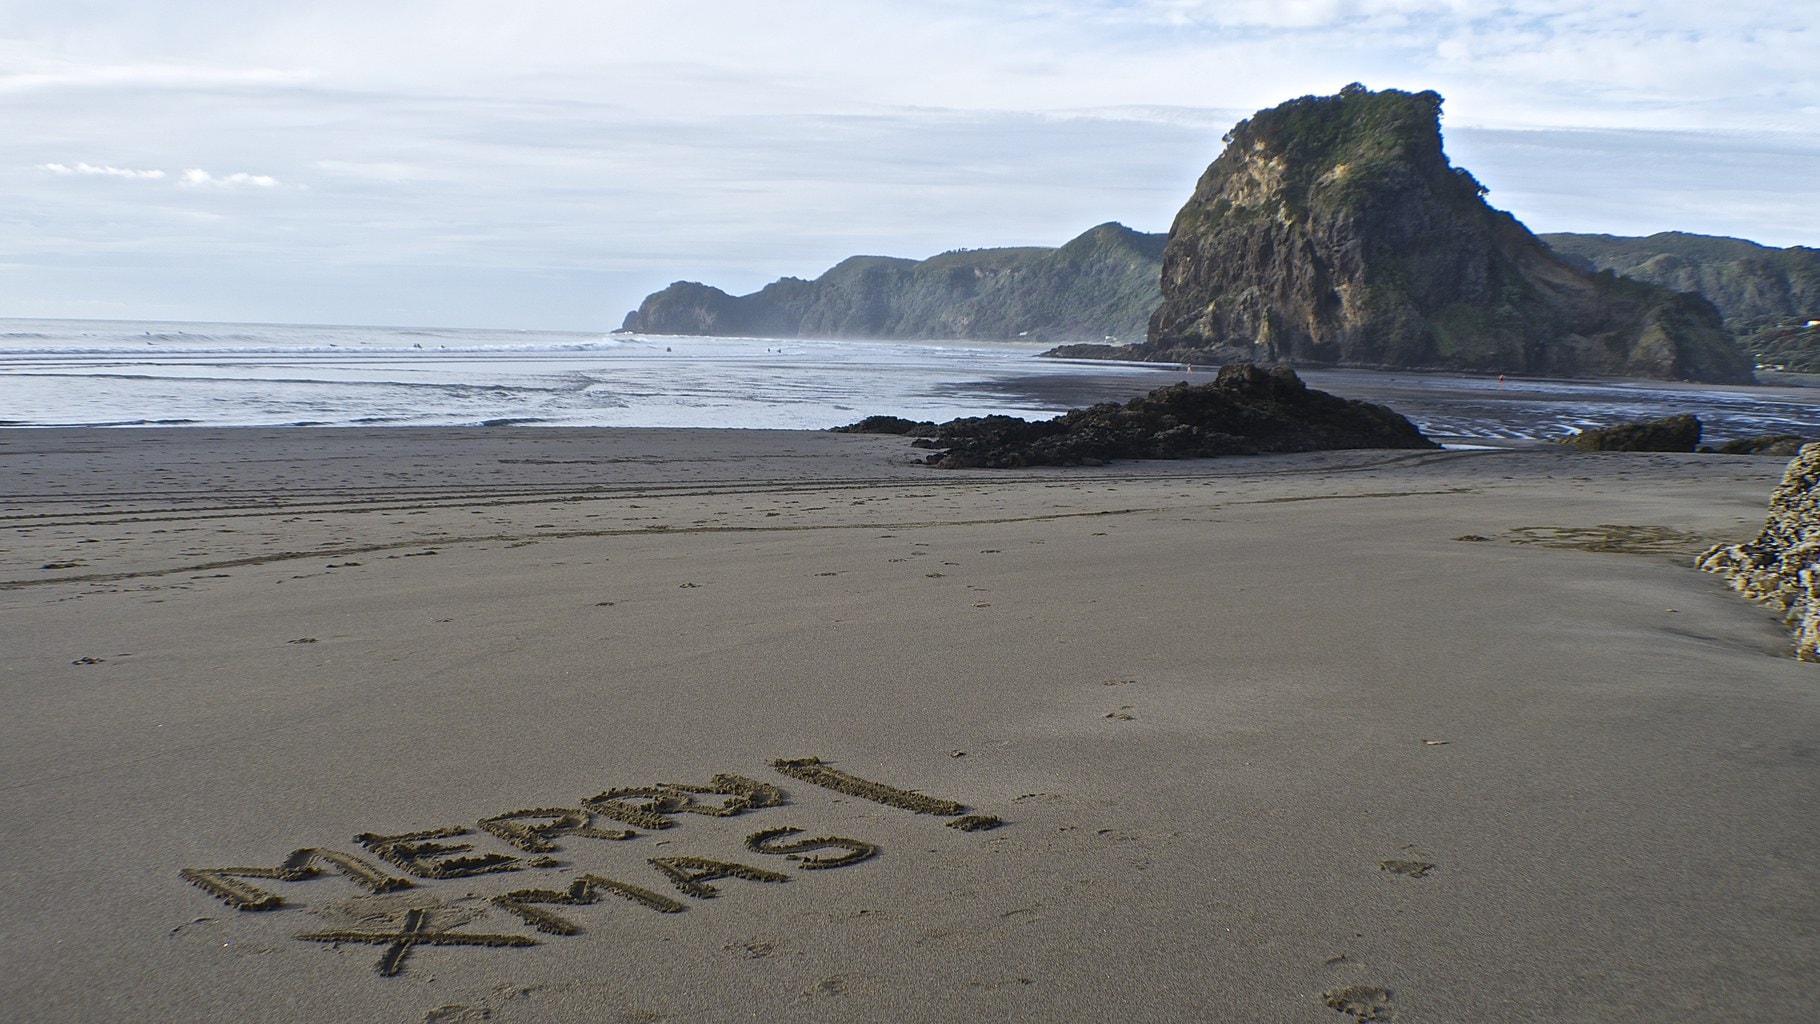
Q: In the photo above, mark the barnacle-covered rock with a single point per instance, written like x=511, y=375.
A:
x=1781, y=567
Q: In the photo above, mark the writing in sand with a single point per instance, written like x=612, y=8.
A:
x=441, y=854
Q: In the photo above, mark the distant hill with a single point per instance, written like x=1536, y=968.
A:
x=1745, y=280
x=1792, y=345
x=1100, y=285
x=1767, y=295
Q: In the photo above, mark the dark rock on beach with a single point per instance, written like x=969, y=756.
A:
x=1678, y=433
x=1246, y=410
x=1763, y=444
x=889, y=425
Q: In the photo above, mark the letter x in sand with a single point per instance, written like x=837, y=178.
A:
x=399, y=943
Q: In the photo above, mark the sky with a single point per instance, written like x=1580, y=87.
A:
x=544, y=164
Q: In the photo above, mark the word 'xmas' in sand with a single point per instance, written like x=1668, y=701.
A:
x=399, y=921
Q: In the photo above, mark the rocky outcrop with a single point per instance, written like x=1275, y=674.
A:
x=1245, y=410
x=1102, y=284
x=888, y=425
x=1677, y=433
x=1781, y=568
x=1763, y=444
x=1333, y=231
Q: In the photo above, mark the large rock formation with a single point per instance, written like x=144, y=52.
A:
x=1781, y=567
x=1244, y=411
x=1333, y=231
x=1102, y=284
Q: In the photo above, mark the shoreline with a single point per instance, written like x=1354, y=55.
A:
x=1448, y=408
x=1462, y=732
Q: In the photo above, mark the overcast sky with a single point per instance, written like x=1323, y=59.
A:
x=546, y=163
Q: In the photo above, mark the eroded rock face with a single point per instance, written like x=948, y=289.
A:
x=1781, y=568
x=1333, y=231
x=1246, y=410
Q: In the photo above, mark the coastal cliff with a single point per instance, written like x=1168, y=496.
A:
x=1102, y=284
x=1332, y=231
x=1747, y=281
x=1768, y=296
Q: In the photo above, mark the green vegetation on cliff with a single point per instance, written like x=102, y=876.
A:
x=1745, y=280
x=1793, y=346
x=1766, y=295
x=1333, y=231
x=1102, y=284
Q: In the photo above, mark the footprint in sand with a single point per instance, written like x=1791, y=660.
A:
x=454, y=1013
x=1362, y=1002
x=842, y=985
x=757, y=949
x=1407, y=868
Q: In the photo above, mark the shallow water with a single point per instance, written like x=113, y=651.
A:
x=76, y=373
x=1446, y=406
x=125, y=373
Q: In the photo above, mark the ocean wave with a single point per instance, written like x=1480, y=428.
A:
x=560, y=386
x=331, y=349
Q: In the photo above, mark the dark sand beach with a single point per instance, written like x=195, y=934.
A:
x=1425, y=737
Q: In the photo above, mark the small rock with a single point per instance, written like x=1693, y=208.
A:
x=1763, y=444
x=1677, y=433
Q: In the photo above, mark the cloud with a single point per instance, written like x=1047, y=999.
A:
x=391, y=172
x=25, y=71
x=195, y=177
x=426, y=147
x=102, y=171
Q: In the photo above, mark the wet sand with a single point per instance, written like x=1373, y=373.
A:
x=1434, y=736
x=1479, y=409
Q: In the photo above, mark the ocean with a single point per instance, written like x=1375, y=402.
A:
x=124, y=373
